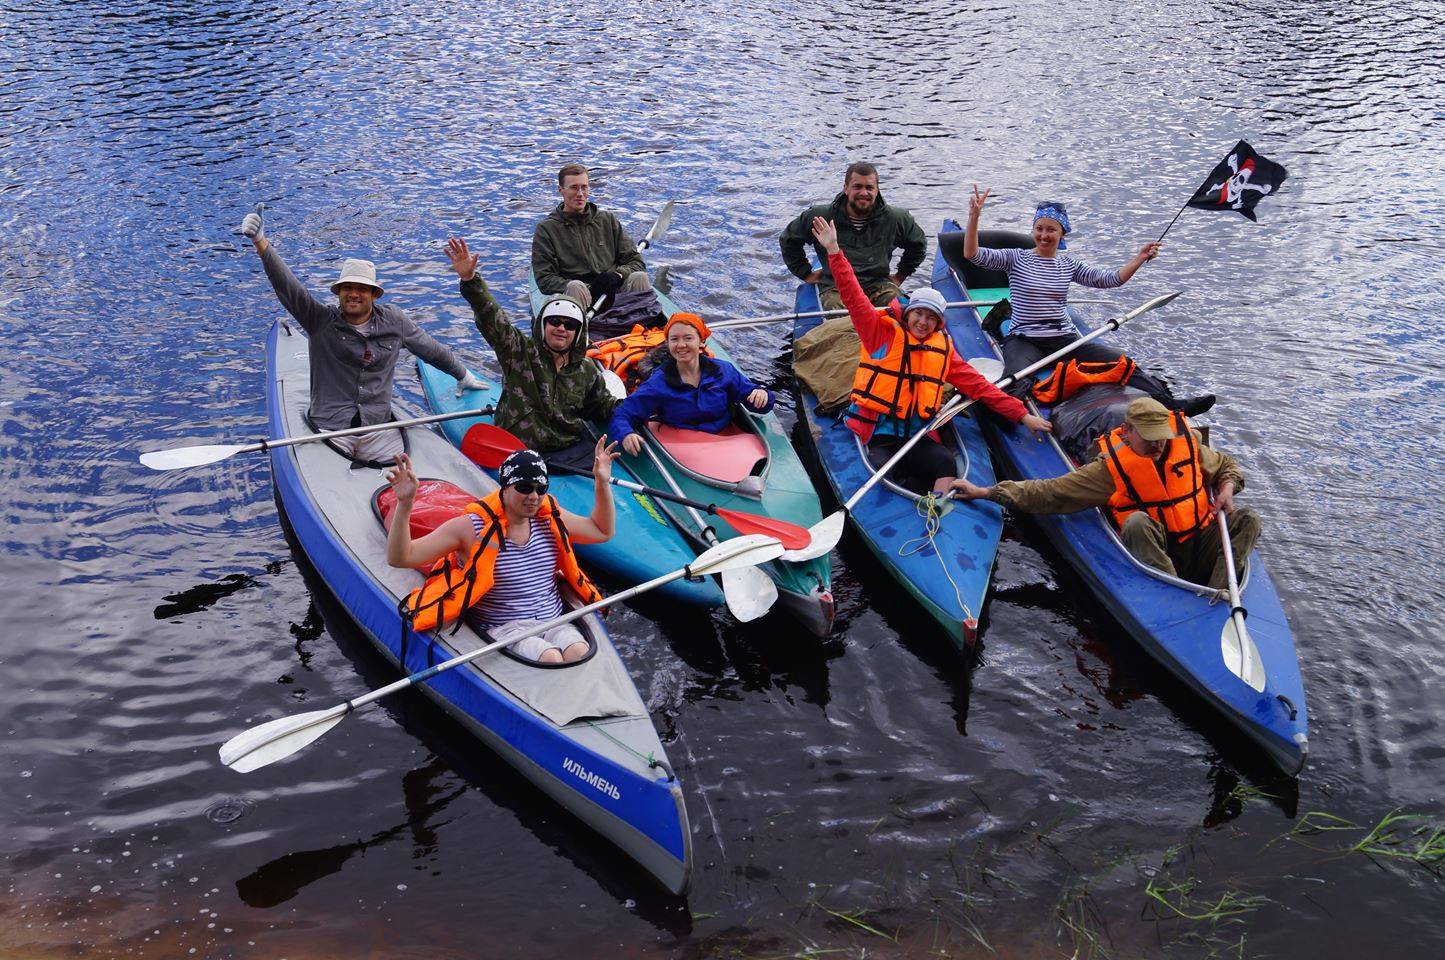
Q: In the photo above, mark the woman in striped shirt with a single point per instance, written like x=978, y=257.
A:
x=1038, y=283
x=526, y=559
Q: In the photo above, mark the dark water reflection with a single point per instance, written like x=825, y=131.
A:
x=1032, y=800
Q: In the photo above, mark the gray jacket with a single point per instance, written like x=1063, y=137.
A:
x=345, y=390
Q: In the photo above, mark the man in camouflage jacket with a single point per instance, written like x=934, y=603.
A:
x=550, y=389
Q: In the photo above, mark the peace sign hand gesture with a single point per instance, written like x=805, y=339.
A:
x=975, y=202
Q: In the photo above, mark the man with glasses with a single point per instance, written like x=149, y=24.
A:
x=582, y=251
x=550, y=389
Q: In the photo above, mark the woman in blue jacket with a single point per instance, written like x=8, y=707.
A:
x=687, y=390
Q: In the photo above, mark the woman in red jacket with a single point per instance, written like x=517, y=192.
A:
x=903, y=368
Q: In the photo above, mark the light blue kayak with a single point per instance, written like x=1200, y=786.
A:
x=646, y=544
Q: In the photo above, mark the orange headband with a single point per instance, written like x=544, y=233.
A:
x=692, y=320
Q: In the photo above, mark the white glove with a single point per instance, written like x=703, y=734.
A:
x=469, y=382
x=251, y=225
x=578, y=291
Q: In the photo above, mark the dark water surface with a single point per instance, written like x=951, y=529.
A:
x=845, y=792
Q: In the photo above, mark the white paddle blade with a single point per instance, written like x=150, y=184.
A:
x=1240, y=654
x=278, y=739
x=182, y=457
x=613, y=383
x=990, y=368
x=1148, y=305
x=749, y=593
x=736, y=554
x=825, y=533
x=664, y=220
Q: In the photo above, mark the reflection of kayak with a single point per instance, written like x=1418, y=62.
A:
x=948, y=575
x=581, y=732
x=1177, y=622
x=645, y=544
x=750, y=467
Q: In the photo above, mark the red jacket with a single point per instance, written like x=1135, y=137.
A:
x=876, y=335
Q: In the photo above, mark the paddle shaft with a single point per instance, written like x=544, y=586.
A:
x=262, y=445
x=1236, y=611
x=708, y=533
x=710, y=508
x=957, y=405
x=422, y=676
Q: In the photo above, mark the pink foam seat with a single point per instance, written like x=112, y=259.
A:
x=728, y=456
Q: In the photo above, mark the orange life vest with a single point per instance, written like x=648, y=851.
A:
x=450, y=589
x=1172, y=490
x=1071, y=376
x=905, y=379
x=622, y=354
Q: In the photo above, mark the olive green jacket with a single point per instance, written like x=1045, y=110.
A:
x=546, y=408
x=1091, y=485
x=568, y=246
x=869, y=249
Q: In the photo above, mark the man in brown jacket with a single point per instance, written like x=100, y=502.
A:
x=1149, y=433
x=581, y=251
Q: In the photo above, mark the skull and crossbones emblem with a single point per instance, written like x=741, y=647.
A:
x=1231, y=189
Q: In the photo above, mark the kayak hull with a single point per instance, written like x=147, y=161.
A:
x=784, y=493
x=948, y=575
x=645, y=545
x=596, y=769
x=1178, y=623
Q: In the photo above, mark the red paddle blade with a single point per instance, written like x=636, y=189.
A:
x=792, y=536
x=487, y=445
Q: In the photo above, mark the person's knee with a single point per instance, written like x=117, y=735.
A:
x=1139, y=526
x=1245, y=523
x=551, y=655
x=637, y=282
x=575, y=652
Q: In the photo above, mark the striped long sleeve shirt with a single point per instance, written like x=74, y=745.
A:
x=1038, y=287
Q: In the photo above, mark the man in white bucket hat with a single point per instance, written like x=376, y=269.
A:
x=354, y=348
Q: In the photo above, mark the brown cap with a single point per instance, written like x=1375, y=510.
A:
x=1150, y=418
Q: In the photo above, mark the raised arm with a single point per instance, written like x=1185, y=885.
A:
x=298, y=301
x=453, y=536
x=1146, y=253
x=970, y=232
x=506, y=341
x=598, y=526
x=872, y=331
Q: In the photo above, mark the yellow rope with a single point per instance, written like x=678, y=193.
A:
x=932, y=509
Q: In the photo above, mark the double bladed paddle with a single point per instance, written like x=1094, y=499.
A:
x=488, y=445
x=178, y=458
x=278, y=739
x=956, y=405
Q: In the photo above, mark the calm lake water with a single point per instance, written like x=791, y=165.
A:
x=866, y=794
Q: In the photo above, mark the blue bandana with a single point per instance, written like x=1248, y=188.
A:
x=1054, y=211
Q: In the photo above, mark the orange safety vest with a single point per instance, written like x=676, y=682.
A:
x=905, y=379
x=450, y=589
x=1071, y=376
x=622, y=354
x=1172, y=490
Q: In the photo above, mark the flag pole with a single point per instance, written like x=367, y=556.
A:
x=1183, y=208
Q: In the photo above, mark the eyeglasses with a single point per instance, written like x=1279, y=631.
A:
x=529, y=487
x=557, y=321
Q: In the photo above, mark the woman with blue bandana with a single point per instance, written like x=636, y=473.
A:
x=1039, y=281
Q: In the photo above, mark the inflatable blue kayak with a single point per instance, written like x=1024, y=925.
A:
x=1177, y=622
x=945, y=564
x=645, y=546
x=580, y=732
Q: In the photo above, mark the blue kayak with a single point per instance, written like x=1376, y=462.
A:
x=579, y=732
x=645, y=546
x=1177, y=622
x=947, y=572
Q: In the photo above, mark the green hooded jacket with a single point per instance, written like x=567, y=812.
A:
x=869, y=249
x=568, y=246
x=546, y=408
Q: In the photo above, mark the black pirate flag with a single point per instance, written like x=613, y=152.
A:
x=1240, y=181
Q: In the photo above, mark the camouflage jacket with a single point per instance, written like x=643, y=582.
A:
x=545, y=407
